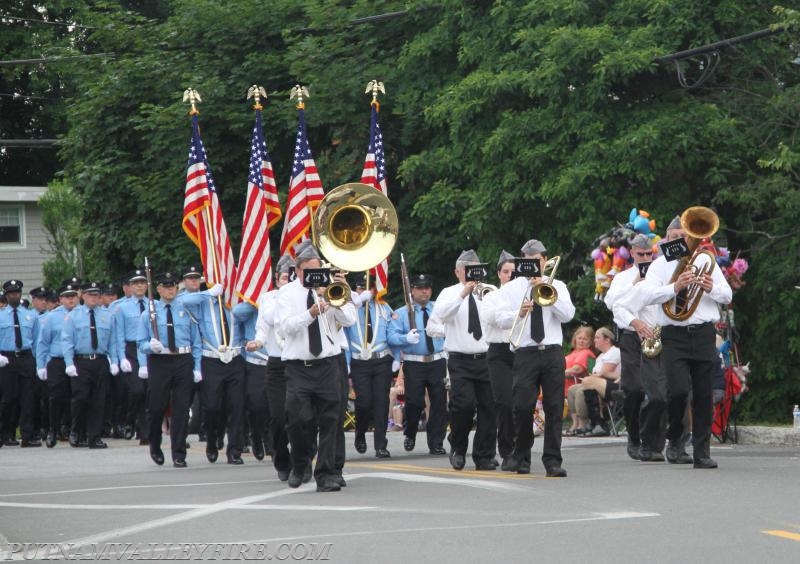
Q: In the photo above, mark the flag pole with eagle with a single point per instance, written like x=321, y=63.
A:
x=262, y=211
x=374, y=174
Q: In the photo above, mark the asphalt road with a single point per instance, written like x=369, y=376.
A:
x=410, y=507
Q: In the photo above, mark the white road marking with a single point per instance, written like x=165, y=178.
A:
x=188, y=506
x=143, y=486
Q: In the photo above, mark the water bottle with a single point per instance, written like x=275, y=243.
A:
x=796, y=417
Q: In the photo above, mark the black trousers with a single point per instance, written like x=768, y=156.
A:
x=372, y=380
x=89, y=395
x=344, y=392
x=59, y=393
x=689, y=356
x=255, y=399
x=430, y=376
x=18, y=385
x=313, y=401
x=645, y=386
x=276, y=395
x=470, y=388
x=171, y=381
x=136, y=391
x=501, y=364
x=535, y=369
x=223, y=397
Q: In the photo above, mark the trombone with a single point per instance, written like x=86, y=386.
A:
x=542, y=294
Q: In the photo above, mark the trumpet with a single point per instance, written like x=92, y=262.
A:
x=481, y=289
x=543, y=294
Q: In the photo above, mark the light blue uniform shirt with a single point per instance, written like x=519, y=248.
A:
x=49, y=344
x=379, y=317
x=205, y=309
x=187, y=333
x=400, y=326
x=76, y=336
x=126, y=317
x=28, y=327
x=246, y=315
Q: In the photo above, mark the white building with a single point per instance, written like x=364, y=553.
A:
x=23, y=240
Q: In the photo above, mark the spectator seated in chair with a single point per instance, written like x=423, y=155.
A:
x=578, y=364
x=604, y=379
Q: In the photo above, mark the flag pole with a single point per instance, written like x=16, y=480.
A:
x=193, y=97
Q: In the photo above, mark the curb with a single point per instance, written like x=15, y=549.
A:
x=779, y=436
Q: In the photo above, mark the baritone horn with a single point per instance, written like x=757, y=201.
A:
x=481, y=289
x=699, y=223
x=543, y=294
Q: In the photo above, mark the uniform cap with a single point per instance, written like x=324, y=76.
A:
x=91, y=288
x=68, y=290
x=75, y=281
x=191, y=271
x=167, y=279
x=641, y=241
x=284, y=263
x=110, y=289
x=39, y=292
x=533, y=247
x=505, y=256
x=421, y=281
x=12, y=286
x=137, y=275
x=468, y=256
x=675, y=223
x=306, y=251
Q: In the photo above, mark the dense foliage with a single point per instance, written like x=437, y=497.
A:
x=503, y=120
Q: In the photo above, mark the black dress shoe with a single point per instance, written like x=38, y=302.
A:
x=258, y=450
x=211, y=453
x=457, y=461
x=705, y=463
x=633, y=451
x=505, y=465
x=97, y=443
x=339, y=479
x=361, y=445
x=307, y=473
x=493, y=463
x=382, y=453
x=438, y=451
x=646, y=454
x=295, y=479
x=30, y=444
x=485, y=465
x=675, y=456
x=118, y=432
x=51, y=440
x=220, y=442
x=328, y=486
x=235, y=460
x=555, y=472
x=157, y=455
x=73, y=440
x=510, y=464
x=409, y=443
x=128, y=435
x=11, y=441
x=144, y=442
x=180, y=463
x=283, y=475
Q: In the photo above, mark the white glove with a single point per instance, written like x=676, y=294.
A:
x=198, y=376
x=3, y=361
x=125, y=365
x=395, y=365
x=114, y=368
x=42, y=374
x=216, y=290
x=356, y=299
x=142, y=372
x=412, y=337
x=365, y=296
x=156, y=346
x=71, y=371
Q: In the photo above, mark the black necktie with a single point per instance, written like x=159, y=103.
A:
x=170, y=330
x=141, y=305
x=17, y=332
x=474, y=323
x=537, y=324
x=428, y=339
x=314, y=336
x=369, y=322
x=92, y=329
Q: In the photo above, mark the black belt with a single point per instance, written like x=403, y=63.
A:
x=539, y=348
x=18, y=354
x=130, y=342
x=470, y=356
x=692, y=328
x=629, y=332
x=313, y=362
x=94, y=356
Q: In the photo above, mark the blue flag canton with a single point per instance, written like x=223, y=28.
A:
x=301, y=148
x=377, y=149
x=197, y=153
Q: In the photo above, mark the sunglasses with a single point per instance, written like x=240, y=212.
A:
x=644, y=254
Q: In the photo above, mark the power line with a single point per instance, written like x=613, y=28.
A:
x=18, y=96
x=30, y=143
x=3, y=19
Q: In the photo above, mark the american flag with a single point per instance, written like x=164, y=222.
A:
x=305, y=192
x=374, y=174
x=202, y=218
x=262, y=210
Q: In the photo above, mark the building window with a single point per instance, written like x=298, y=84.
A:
x=11, y=226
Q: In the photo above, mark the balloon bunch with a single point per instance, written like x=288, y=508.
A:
x=612, y=253
x=732, y=269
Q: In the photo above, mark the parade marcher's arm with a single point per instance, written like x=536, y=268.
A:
x=291, y=323
x=563, y=309
x=397, y=328
x=67, y=345
x=447, y=304
x=43, y=346
x=197, y=345
x=345, y=315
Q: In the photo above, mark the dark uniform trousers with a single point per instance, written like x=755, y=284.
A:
x=645, y=386
x=344, y=392
x=137, y=392
x=18, y=384
x=501, y=364
x=534, y=369
x=255, y=400
x=276, y=395
x=171, y=380
x=223, y=394
x=470, y=387
x=690, y=355
x=313, y=401
x=59, y=393
x=372, y=380
x=419, y=376
x=89, y=394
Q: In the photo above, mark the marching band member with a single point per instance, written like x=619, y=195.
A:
x=457, y=309
x=424, y=367
x=538, y=362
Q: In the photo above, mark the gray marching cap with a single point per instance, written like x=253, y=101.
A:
x=306, y=251
x=505, y=256
x=468, y=256
x=675, y=223
x=284, y=263
x=533, y=247
x=641, y=241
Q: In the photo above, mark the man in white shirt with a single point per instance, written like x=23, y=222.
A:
x=538, y=362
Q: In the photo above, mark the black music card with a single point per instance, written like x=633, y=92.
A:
x=527, y=268
x=316, y=277
x=675, y=249
x=292, y=274
x=476, y=272
x=643, y=266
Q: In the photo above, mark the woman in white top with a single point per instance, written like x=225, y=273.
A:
x=604, y=379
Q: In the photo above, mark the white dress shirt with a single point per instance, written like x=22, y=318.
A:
x=293, y=318
x=562, y=311
x=265, y=323
x=657, y=289
x=622, y=285
x=489, y=306
x=452, y=311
